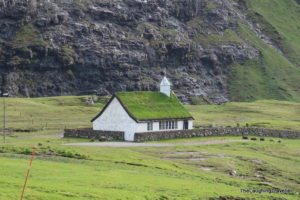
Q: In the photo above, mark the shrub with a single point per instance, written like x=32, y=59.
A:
x=102, y=138
x=16, y=150
x=28, y=35
x=197, y=126
x=24, y=150
x=70, y=154
x=67, y=55
x=42, y=151
x=70, y=72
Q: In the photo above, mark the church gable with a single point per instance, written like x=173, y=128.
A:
x=112, y=109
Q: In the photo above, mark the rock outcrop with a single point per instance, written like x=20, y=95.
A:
x=53, y=47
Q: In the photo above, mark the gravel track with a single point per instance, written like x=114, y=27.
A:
x=133, y=144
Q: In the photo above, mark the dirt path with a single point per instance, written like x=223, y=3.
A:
x=132, y=144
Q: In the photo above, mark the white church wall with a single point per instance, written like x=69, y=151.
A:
x=115, y=118
x=143, y=127
x=190, y=124
x=180, y=125
x=155, y=126
x=165, y=86
x=166, y=90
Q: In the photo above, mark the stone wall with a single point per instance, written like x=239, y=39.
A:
x=163, y=135
x=92, y=134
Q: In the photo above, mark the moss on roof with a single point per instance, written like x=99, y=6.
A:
x=143, y=105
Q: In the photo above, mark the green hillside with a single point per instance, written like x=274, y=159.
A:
x=272, y=75
x=147, y=173
x=284, y=26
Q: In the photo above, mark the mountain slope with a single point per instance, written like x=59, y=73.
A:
x=275, y=74
x=217, y=50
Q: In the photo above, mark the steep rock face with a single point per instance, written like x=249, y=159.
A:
x=54, y=47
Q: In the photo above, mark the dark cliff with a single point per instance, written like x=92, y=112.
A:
x=216, y=50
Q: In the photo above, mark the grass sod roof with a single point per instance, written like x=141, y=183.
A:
x=146, y=105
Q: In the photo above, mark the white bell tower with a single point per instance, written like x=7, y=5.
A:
x=165, y=86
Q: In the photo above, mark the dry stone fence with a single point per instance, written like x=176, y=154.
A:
x=163, y=135
x=93, y=134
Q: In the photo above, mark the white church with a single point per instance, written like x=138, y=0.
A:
x=144, y=111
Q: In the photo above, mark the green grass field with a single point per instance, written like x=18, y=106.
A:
x=52, y=113
x=57, y=113
x=180, y=172
x=264, y=113
x=150, y=173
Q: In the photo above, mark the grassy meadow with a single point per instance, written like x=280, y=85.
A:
x=151, y=173
x=179, y=172
x=51, y=113
x=56, y=113
x=264, y=113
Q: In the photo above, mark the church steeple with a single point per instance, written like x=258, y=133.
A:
x=165, y=86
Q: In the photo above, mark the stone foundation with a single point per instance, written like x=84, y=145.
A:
x=163, y=135
x=92, y=134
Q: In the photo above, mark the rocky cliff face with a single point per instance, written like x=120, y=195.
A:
x=54, y=47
